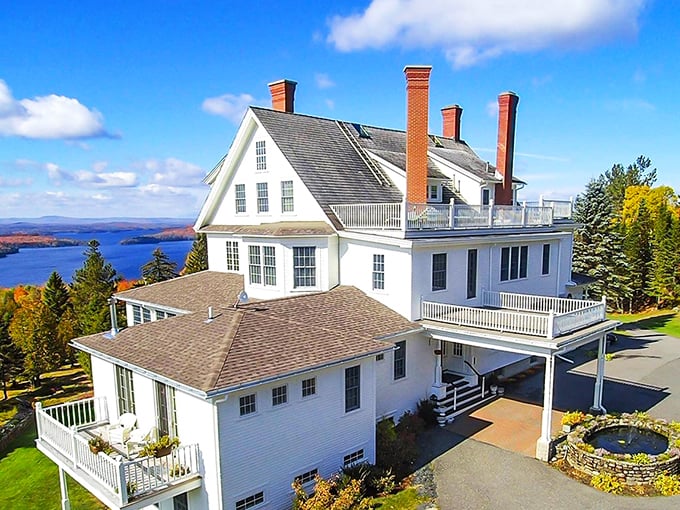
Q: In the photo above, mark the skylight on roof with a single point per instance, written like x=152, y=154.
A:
x=436, y=141
x=362, y=131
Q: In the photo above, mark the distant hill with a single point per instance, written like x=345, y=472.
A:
x=11, y=243
x=48, y=225
x=169, y=234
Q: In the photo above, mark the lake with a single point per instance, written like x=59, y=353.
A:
x=34, y=265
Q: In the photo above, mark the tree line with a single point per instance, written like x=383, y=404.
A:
x=629, y=238
x=38, y=323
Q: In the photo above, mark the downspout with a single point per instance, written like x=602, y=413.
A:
x=216, y=434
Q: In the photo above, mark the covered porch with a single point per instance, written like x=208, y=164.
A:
x=119, y=480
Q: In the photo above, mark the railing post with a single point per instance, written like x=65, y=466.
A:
x=551, y=325
x=524, y=215
x=38, y=418
x=604, y=307
x=455, y=398
x=404, y=215
x=452, y=214
x=491, y=206
x=122, y=483
x=483, y=386
x=74, y=451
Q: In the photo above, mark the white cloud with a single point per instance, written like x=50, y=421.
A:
x=323, y=81
x=47, y=117
x=106, y=179
x=229, y=106
x=14, y=182
x=174, y=172
x=330, y=104
x=492, y=109
x=629, y=105
x=469, y=32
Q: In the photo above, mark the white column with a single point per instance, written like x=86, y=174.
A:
x=597, y=407
x=543, y=443
x=438, y=388
x=65, y=503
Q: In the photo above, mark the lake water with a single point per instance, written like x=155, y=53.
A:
x=34, y=265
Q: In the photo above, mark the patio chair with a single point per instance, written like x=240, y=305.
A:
x=119, y=432
x=138, y=438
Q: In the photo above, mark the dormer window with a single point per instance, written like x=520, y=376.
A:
x=434, y=192
x=260, y=155
x=486, y=196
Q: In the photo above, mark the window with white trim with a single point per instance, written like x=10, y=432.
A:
x=246, y=404
x=304, y=266
x=269, y=265
x=136, y=314
x=262, y=197
x=308, y=387
x=180, y=502
x=434, y=193
x=146, y=315
x=378, y=271
x=279, y=395
x=232, y=255
x=352, y=388
x=251, y=501
x=160, y=314
x=545, y=267
x=400, y=360
x=287, y=204
x=166, y=411
x=438, y=271
x=353, y=457
x=472, y=273
x=486, y=196
x=260, y=155
x=125, y=390
x=514, y=262
x=240, y=198
x=307, y=477
x=456, y=348
x=262, y=260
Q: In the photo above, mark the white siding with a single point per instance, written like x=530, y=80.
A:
x=104, y=382
x=266, y=450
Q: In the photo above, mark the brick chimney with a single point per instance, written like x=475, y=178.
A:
x=283, y=95
x=451, y=121
x=507, y=113
x=417, y=106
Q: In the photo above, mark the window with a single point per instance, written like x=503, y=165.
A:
x=125, y=390
x=279, y=395
x=456, y=349
x=309, y=387
x=160, y=314
x=433, y=193
x=378, y=272
x=254, y=264
x=165, y=410
x=250, y=501
x=232, y=256
x=514, y=262
x=545, y=269
x=260, y=155
x=240, y=198
x=352, y=388
x=472, y=274
x=246, y=404
x=304, y=266
x=262, y=197
x=170, y=314
x=400, y=360
x=307, y=477
x=486, y=196
x=439, y=271
x=146, y=315
x=136, y=314
x=269, y=265
x=353, y=457
x=257, y=265
x=379, y=357
x=287, y=196
x=180, y=502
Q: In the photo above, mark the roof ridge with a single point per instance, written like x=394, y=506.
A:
x=236, y=318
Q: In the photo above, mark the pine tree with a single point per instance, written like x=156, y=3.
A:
x=638, y=250
x=159, y=269
x=93, y=284
x=11, y=358
x=665, y=283
x=618, y=179
x=55, y=295
x=197, y=258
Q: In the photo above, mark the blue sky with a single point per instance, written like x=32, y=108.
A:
x=120, y=108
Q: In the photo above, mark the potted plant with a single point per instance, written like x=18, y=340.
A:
x=97, y=444
x=160, y=448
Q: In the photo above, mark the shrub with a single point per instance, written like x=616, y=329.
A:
x=573, y=418
x=396, y=447
x=427, y=413
x=328, y=495
x=667, y=485
x=675, y=425
x=589, y=448
x=410, y=423
x=641, y=458
x=607, y=482
x=375, y=481
x=608, y=356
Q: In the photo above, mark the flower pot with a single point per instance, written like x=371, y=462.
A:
x=94, y=449
x=162, y=452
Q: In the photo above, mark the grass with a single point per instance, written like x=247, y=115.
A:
x=663, y=321
x=408, y=499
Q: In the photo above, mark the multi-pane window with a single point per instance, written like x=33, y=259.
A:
x=307, y=477
x=262, y=197
x=240, y=190
x=400, y=360
x=246, y=404
x=353, y=457
x=136, y=314
x=250, y=501
x=456, y=349
x=439, y=271
x=259, y=264
x=304, y=266
x=232, y=255
x=146, y=315
x=125, y=390
x=180, y=502
x=160, y=314
x=308, y=387
x=545, y=268
x=352, y=388
x=287, y=204
x=514, y=262
x=471, y=274
x=165, y=410
x=279, y=395
x=269, y=265
x=260, y=155
x=378, y=272
x=433, y=193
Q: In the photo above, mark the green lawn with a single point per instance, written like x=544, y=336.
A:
x=663, y=321
x=407, y=499
x=29, y=480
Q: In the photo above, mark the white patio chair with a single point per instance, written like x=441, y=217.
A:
x=119, y=432
x=138, y=438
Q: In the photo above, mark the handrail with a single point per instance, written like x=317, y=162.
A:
x=473, y=368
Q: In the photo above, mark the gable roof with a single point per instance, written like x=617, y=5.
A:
x=255, y=342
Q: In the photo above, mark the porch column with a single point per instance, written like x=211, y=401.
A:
x=543, y=443
x=65, y=503
x=597, y=407
x=438, y=388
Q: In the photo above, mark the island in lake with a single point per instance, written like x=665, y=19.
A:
x=168, y=234
x=14, y=242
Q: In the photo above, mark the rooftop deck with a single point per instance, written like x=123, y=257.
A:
x=119, y=482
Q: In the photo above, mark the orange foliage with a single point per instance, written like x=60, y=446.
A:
x=19, y=293
x=125, y=285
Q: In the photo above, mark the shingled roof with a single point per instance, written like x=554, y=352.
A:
x=257, y=341
x=276, y=229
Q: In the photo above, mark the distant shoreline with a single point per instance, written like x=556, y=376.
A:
x=11, y=244
x=169, y=234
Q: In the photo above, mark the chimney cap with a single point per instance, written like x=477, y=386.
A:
x=452, y=106
x=292, y=82
x=406, y=68
x=508, y=93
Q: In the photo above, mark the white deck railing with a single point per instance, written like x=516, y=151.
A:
x=411, y=217
x=59, y=428
x=524, y=314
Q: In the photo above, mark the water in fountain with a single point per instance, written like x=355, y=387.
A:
x=629, y=439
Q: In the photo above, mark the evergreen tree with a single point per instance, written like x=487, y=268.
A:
x=11, y=358
x=638, y=250
x=55, y=295
x=618, y=179
x=93, y=284
x=665, y=283
x=159, y=269
x=197, y=258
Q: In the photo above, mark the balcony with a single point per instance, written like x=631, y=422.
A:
x=524, y=314
x=117, y=481
x=428, y=217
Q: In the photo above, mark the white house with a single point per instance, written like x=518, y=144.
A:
x=354, y=270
